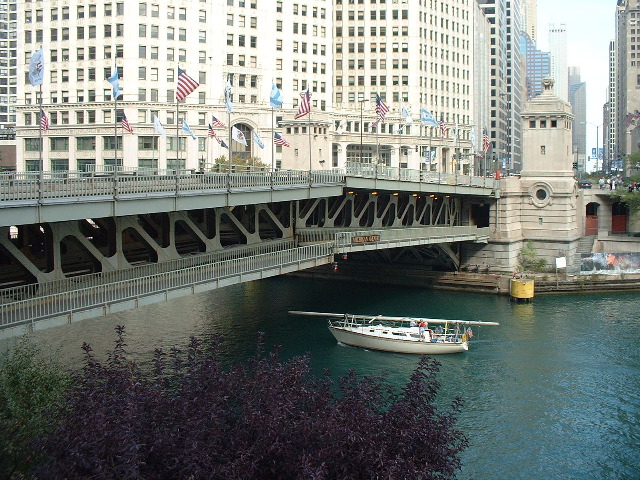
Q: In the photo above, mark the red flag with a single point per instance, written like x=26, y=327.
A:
x=278, y=140
x=381, y=108
x=486, y=144
x=44, y=121
x=125, y=123
x=305, y=105
x=186, y=85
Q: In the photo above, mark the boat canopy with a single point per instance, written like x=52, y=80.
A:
x=372, y=318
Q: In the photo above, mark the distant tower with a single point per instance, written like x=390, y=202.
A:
x=558, y=51
x=531, y=19
x=537, y=66
x=578, y=101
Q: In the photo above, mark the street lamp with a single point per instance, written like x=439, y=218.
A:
x=597, y=143
x=361, y=100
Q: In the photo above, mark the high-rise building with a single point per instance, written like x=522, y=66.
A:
x=558, y=51
x=578, y=101
x=506, y=81
x=537, y=66
x=610, y=130
x=8, y=63
x=627, y=103
x=530, y=16
x=344, y=53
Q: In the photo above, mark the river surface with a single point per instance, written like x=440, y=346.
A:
x=551, y=393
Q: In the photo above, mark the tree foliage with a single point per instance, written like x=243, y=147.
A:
x=188, y=417
x=630, y=199
x=528, y=259
x=31, y=390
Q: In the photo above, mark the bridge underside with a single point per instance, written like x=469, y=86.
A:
x=38, y=253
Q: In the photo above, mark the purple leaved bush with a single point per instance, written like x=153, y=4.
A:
x=190, y=417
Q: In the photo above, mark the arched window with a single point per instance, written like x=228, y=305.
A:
x=239, y=150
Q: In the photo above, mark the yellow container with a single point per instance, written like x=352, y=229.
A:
x=521, y=289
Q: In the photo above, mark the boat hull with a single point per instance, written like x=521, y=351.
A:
x=350, y=337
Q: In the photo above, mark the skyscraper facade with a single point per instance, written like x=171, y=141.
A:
x=610, y=126
x=627, y=64
x=558, y=51
x=537, y=66
x=530, y=16
x=578, y=101
x=506, y=81
x=8, y=62
x=420, y=54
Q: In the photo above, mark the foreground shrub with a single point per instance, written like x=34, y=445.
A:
x=190, y=418
x=31, y=388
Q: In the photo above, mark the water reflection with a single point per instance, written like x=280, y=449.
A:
x=556, y=382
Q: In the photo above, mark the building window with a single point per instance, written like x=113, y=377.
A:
x=59, y=144
x=85, y=143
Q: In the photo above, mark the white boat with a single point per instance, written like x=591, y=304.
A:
x=400, y=334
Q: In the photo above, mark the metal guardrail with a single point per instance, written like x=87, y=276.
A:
x=31, y=186
x=21, y=187
x=51, y=305
x=104, y=278
x=428, y=234
x=382, y=172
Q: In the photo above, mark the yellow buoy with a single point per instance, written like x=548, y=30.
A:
x=521, y=289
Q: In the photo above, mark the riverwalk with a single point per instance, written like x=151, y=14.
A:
x=479, y=282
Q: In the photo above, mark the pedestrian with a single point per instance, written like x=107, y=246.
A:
x=421, y=329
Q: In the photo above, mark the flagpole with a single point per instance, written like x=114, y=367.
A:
x=41, y=162
x=430, y=151
x=177, y=136
x=375, y=173
x=273, y=146
x=400, y=153
x=40, y=159
x=309, y=134
x=230, y=144
x=115, y=130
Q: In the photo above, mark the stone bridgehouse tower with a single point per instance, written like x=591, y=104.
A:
x=543, y=205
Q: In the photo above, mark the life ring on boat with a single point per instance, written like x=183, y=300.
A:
x=465, y=337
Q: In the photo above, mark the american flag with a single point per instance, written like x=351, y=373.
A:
x=486, y=144
x=216, y=122
x=278, y=140
x=443, y=127
x=381, y=108
x=305, y=105
x=374, y=124
x=212, y=132
x=186, y=85
x=44, y=120
x=125, y=123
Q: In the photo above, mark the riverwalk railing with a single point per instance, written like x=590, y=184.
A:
x=45, y=305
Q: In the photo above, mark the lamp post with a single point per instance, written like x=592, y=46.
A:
x=361, y=100
x=597, y=143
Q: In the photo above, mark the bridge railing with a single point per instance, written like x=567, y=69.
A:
x=432, y=234
x=382, y=172
x=86, y=297
x=57, y=185
x=124, y=274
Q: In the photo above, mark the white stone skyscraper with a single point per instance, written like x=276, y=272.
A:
x=559, y=68
x=530, y=16
x=420, y=53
